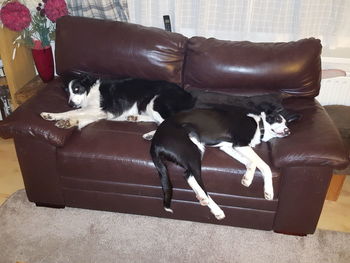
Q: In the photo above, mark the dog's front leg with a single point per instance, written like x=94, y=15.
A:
x=50, y=116
x=250, y=166
x=66, y=123
x=133, y=118
x=140, y=118
x=90, y=118
x=249, y=153
x=78, y=117
x=67, y=115
x=65, y=120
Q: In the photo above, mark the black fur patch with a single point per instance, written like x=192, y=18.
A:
x=118, y=95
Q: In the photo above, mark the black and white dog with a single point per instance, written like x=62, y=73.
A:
x=120, y=100
x=234, y=130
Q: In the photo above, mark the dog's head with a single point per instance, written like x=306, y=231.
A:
x=78, y=89
x=275, y=124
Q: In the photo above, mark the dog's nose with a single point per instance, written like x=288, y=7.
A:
x=286, y=131
x=70, y=104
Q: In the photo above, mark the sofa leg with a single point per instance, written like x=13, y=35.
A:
x=335, y=187
x=39, y=204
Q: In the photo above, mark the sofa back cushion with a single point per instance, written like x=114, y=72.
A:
x=247, y=68
x=118, y=49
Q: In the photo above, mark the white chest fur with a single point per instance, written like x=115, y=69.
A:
x=93, y=99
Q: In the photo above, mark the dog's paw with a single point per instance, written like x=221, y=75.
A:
x=268, y=190
x=47, y=116
x=219, y=214
x=169, y=210
x=215, y=209
x=268, y=195
x=132, y=118
x=247, y=178
x=246, y=181
x=149, y=135
x=66, y=124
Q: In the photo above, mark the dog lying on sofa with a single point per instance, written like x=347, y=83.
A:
x=126, y=99
x=182, y=139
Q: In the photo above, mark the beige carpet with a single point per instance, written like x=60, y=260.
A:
x=31, y=234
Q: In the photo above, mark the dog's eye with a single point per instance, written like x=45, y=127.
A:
x=269, y=119
x=273, y=118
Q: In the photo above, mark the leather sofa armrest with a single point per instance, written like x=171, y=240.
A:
x=26, y=119
x=314, y=139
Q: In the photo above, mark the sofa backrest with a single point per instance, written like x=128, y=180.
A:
x=118, y=49
x=247, y=68
x=122, y=49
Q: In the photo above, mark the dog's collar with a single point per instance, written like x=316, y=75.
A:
x=262, y=129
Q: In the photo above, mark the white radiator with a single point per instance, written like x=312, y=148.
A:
x=335, y=91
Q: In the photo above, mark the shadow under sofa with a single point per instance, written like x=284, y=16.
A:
x=106, y=165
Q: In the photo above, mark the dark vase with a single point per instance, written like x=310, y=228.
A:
x=43, y=60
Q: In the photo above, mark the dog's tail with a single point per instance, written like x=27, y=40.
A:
x=162, y=169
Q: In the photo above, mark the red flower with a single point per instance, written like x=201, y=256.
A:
x=15, y=16
x=55, y=9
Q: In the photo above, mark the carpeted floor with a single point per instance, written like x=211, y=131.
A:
x=32, y=234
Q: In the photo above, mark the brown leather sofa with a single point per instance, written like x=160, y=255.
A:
x=106, y=166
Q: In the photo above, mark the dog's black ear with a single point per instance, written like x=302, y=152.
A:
x=68, y=76
x=290, y=115
x=87, y=80
x=266, y=107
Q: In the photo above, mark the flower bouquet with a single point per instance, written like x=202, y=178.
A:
x=36, y=28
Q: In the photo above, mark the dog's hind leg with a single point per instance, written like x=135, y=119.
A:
x=215, y=209
x=250, y=166
x=249, y=153
x=164, y=180
x=193, y=164
x=194, y=179
x=205, y=199
x=201, y=194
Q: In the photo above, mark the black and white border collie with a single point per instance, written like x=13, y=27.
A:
x=120, y=100
x=182, y=139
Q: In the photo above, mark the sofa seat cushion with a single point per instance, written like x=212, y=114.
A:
x=113, y=157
